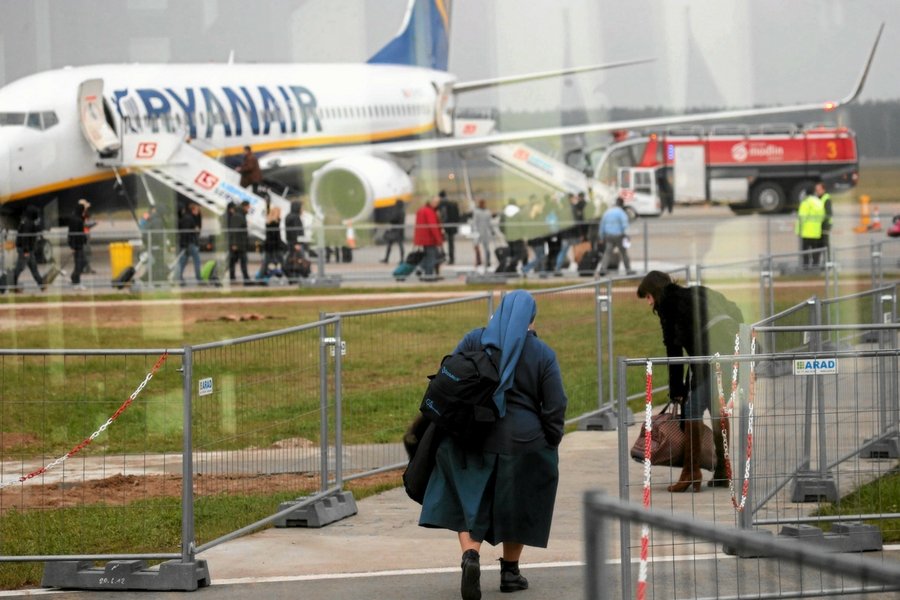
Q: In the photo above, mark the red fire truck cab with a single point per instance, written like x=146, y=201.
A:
x=768, y=168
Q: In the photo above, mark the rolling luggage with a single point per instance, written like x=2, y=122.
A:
x=589, y=261
x=51, y=274
x=403, y=271
x=505, y=261
x=296, y=267
x=124, y=278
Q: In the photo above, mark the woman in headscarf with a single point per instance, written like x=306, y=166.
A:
x=505, y=492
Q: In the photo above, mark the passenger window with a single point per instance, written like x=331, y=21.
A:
x=12, y=119
x=34, y=121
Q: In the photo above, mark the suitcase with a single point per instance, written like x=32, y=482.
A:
x=404, y=270
x=124, y=278
x=296, y=267
x=208, y=271
x=505, y=262
x=51, y=274
x=589, y=261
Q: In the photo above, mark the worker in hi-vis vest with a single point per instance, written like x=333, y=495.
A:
x=810, y=219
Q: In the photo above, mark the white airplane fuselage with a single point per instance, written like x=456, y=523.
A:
x=220, y=107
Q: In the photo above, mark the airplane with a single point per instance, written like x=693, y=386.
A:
x=361, y=122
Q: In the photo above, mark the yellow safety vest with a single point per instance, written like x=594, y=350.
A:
x=810, y=217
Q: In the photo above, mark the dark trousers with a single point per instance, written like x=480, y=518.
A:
x=235, y=257
x=80, y=264
x=451, y=247
x=811, y=258
x=390, y=244
x=29, y=260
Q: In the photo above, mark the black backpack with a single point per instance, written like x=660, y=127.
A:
x=460, y=396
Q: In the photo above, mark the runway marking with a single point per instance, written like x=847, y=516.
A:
x=441, y=570
x=407, y=572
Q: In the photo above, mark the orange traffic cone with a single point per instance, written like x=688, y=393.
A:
x=864, y=220
x=351, y=236
x=875, y=225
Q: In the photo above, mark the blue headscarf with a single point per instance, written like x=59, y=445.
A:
x=507, y=330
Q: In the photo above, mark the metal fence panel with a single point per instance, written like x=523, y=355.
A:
x=77, y=456
x=401, y=346
x=257, y=424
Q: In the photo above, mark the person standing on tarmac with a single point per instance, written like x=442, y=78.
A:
x=810, y=218
x=429, y=236
x=448, y=211
x=25, y=242
x=77, y=241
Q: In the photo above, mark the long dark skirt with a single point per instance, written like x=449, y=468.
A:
x=495, y=497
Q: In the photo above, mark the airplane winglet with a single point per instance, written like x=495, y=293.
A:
x=862, y=77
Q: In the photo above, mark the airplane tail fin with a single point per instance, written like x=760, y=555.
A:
x=423, y=39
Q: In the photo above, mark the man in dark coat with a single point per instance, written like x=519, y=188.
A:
x=26, y=237
x=189, y=241
x=237, y=240
x=77, y=240
x=251, y=174
x=448, y=211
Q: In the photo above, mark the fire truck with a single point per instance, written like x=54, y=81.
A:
x=767, y=168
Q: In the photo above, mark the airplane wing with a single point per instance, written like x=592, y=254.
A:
x=305, y=157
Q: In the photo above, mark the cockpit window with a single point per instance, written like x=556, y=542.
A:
x=35, y=120
x=50, y=119
x=8, y=118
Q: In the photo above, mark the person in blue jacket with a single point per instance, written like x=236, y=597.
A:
x=505, y=492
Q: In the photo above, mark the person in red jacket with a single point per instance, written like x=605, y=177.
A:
x=429, y=236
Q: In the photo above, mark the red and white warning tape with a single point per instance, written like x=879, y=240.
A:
x=94, y=435
x=645, y=529
x=726, y=411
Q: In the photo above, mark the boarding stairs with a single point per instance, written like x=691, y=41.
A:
x=171, y=159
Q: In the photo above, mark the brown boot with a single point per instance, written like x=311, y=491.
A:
x=691, y=478
x=720, y=475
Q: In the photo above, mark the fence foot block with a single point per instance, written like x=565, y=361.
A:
x=813, y=487
x=844, y=537
x=479, y=278
x=318, y=514
x=328, y=281
x=172, y=575
x=885, y=448
x=605, y=420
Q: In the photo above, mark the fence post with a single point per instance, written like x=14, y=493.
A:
x=607, y=418
x=338, y=419
x=187, y=464
x=888, y=417
x=624, y=525
x=646, y=248
x=745, y=517
x=323, y=406
x=812, y=486
x=877, y=272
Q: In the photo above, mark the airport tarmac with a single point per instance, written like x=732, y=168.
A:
x=381, y=552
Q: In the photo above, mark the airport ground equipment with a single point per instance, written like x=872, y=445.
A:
x=766, y=168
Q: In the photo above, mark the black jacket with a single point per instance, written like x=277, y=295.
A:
x=188, y=230
x=77, y=237
x=696, y=321
x=27, y=233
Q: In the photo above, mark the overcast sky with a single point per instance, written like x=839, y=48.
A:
x=709, y=52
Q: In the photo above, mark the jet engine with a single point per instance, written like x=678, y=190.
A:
x=348, y=189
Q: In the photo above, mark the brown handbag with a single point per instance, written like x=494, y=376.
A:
x=667, y=441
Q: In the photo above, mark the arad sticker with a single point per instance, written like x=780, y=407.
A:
x=816, y=366
x=206, y=386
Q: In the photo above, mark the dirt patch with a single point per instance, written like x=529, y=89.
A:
x=10, y=440
x=121, y=490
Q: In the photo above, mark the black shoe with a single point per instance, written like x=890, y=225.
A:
x=510, y=578
x=470, y=586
